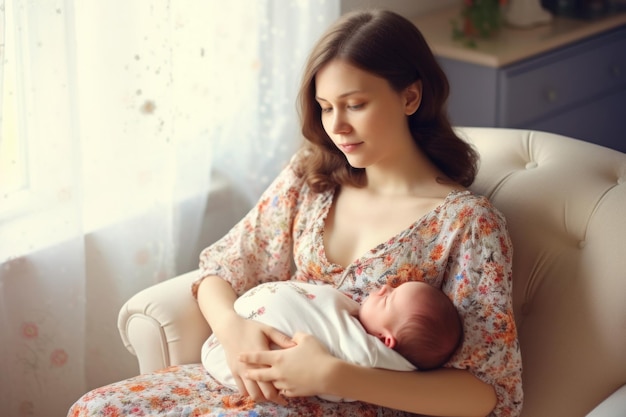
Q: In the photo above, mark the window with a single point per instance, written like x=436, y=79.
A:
x=13, y=164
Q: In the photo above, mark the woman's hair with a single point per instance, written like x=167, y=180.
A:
x=387, y=45
x=431, y=332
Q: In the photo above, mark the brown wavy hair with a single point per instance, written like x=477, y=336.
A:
x=389, y=46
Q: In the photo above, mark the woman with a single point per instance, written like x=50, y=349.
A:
x=376, y=197
x=378, y=191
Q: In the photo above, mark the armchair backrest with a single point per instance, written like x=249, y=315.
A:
x=565, y=204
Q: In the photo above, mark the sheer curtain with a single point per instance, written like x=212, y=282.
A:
x=147, y=129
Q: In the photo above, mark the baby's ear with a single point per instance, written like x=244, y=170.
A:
x=389, y=341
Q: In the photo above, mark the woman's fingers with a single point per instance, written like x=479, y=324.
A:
x=241, y=386
x=271, y=393
x=261, y=365
x=261, y=374
x=280, y=339
x=253, y=390
x=299, y=370
x=265, y=358
x=261, y=391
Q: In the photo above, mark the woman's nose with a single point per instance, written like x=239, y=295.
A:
x=339, y=124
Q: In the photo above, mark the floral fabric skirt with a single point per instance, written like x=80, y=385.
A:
x=189, y=391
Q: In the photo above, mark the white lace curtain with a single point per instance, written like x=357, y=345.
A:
x=140, y=132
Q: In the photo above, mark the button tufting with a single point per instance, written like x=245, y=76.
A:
x=582, y=244
x=620, y=181
x=531, y=165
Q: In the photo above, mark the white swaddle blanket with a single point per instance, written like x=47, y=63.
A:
x=320, y=310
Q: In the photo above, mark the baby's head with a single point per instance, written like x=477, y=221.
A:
x=416, y=319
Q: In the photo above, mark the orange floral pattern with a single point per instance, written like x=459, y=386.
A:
x=196, y=394
x=462, y=247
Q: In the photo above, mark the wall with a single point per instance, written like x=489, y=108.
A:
x=408, y=8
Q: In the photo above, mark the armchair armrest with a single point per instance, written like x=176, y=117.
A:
x=162, y=325
x=613, y=406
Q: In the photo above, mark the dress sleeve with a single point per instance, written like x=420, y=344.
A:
x=480, y=284
x=259, y=247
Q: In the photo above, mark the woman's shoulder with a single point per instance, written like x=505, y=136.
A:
x=295, y=179
x=292, y=173
x=468, y=198
x=471, y=207
x=299, y=158
x=289, y=180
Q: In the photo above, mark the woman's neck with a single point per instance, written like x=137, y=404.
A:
x=409, y=174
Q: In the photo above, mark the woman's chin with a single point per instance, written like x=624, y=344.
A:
x=355, y=162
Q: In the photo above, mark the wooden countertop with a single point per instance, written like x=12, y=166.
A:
x=511, y=44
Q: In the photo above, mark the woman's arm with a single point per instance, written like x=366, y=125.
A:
x=442, y=392
x=480, y=283
x=257, y=249
x=216, y=300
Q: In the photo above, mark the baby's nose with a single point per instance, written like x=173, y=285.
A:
x=385, y=289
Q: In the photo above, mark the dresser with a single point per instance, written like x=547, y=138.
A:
x=567, y=77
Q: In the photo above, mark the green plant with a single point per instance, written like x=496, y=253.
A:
x=480, y=19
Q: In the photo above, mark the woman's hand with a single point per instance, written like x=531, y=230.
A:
x=309, y=369
x=298, y=371
x=245, y=335
x=216, y=300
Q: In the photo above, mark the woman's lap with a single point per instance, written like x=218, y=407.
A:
x=188, y=391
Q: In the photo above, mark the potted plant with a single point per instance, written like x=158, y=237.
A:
x=479, y=19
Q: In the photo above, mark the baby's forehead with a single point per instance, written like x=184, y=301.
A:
x=412, y=290
x=415, y=286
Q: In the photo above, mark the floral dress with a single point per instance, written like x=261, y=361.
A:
x=462, y=247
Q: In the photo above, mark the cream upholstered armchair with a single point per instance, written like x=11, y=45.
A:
x=565, y=203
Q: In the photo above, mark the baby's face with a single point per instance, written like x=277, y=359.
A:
x=381, y=310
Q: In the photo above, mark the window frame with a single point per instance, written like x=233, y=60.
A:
x=18, y=198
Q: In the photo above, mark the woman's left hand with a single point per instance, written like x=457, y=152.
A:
x=298, y=371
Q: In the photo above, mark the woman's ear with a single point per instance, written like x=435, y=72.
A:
x=412, y=97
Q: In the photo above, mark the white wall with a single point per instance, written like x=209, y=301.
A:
x=407, y=8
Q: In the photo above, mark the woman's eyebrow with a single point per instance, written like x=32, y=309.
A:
x=340, y=96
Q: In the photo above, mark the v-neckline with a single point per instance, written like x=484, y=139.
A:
x=321, y=228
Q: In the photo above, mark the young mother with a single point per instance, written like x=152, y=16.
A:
x=377, y=196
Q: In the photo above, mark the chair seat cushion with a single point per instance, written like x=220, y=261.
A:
x=188, y=390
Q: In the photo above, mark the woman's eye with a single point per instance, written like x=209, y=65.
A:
x=356, y=106
x=327, y=109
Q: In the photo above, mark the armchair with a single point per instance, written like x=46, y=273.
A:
x=564, y=201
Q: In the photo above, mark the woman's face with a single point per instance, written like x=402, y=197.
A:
x=364, y=117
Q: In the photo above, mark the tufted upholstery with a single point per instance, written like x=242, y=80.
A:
x=565, y=203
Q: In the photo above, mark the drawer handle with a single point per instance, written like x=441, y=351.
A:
x=551, y=95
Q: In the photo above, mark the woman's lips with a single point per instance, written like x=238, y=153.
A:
x=350, y=147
